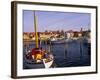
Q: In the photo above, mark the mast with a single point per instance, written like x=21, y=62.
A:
x=36, y=34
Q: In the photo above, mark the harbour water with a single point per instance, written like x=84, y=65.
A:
x=72, y=53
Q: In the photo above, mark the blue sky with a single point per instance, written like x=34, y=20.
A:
x=48, y=20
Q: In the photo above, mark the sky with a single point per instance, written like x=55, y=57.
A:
x=50, y=20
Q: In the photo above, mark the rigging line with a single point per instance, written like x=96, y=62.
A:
x=73, y=21
x=65, y=18
x=57, y=21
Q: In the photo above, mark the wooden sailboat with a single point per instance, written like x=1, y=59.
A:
x=38, y=54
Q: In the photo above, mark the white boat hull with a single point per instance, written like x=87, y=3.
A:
x=47, y=64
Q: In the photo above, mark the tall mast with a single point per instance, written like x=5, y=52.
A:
x=36, y=34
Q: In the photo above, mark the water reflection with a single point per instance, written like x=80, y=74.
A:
x=68, y=54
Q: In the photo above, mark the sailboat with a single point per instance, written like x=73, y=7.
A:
x=38, y=54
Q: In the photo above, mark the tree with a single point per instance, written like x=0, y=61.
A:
x=46, y=31
x=62, y=32
x=75, y=34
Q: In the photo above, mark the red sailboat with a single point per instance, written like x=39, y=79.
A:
x=38, y=54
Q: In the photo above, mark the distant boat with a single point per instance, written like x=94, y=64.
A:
x=53, y=39
x=58, y=41
x=86, y=40
x=89, y=40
